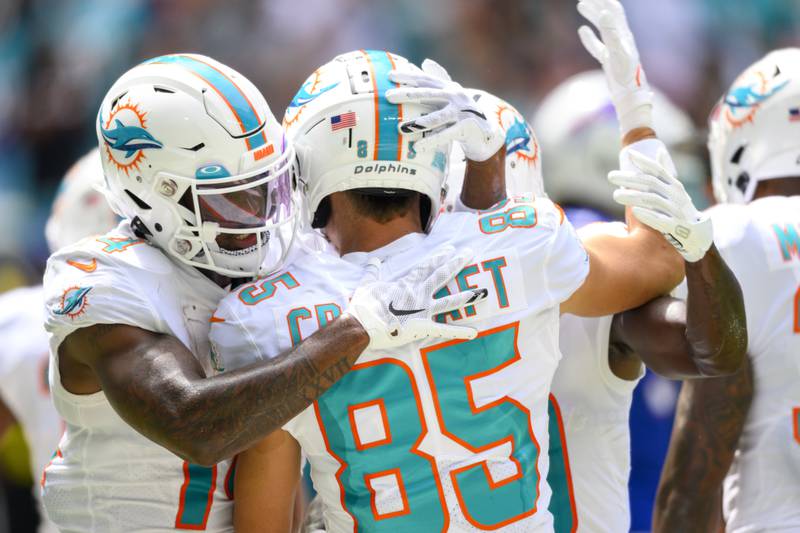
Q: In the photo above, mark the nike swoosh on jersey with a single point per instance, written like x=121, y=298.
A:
x=402, y=312
x=86, y=267
x=216, y=319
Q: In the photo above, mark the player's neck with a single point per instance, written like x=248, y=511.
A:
x=778, y=187
x=369, y=235
x=350, y=232
x=219, y=279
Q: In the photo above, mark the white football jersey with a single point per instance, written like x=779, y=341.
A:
x=429, y=436
x=590, y=466
x=590, y=457
x=761, y=244
x=23, y=378
x=106, y=477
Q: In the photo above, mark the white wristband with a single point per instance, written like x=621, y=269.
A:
x=646, y=147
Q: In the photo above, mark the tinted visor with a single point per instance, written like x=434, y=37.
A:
x=250, y=203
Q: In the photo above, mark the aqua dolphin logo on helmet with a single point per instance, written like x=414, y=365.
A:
x=518, y=137
x=745, y=98
x=308, y=92
x=129, y=139
x=520, y=141
x=748, y=97
x=303, y=96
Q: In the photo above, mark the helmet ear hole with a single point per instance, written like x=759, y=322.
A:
x=425, y=206
x=743, y=181
x=322, y=214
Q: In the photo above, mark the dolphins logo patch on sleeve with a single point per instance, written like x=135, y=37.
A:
x=73, y=302
x=126, y=137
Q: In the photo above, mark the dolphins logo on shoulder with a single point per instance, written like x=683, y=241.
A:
x=73, y=302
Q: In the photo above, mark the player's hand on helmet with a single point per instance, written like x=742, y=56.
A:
x=457, y=118
x=658, y=199
x=616, y=51
x=403, y=311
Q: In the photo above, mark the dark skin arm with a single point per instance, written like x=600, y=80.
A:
x=704, y=337
x=708, y=422
x=485, y=182
x=158, y=387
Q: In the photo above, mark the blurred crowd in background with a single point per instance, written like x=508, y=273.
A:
x=58, y=57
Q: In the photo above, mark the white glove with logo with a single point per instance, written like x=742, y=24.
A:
x=616, y=51
x=396, y=313
x=459, y=118
x=659, y=200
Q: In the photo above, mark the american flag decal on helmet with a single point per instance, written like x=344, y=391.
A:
x=345, y=120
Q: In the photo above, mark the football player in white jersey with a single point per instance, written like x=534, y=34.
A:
x=594, y=382
x=414, y=439
x=200, y=171
x=79, y=210
x=603, y=357
x=754, y=143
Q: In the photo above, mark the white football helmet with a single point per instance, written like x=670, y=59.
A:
x=347, y=135
x=579, y=133
x=79, y=209
x=523, y=156
x=193, y=156
x=754, y=131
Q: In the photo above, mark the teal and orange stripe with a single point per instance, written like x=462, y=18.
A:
x=388, y=141
x=235, y=98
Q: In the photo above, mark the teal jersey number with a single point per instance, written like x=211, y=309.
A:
x=451, y=370
x=388, y=387
x=498, y=220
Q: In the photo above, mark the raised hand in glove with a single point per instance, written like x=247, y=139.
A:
x=616, y=52
x=457, y=118
x=658, y=199
x=398, y=312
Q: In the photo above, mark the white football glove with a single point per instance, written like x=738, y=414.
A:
x=403, y=311
x=659, y=200
x=458, y=117
x=616, y=51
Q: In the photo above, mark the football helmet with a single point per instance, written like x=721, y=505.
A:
x=347, y=135
x=523, y=156
x=79, y=209
x=754, y=131
x=193, y=156
x=579, y=134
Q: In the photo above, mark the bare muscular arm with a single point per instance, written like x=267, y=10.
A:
x=485, y=182
x=708, y=422
x=625, y=271
x=704, y=337
x=155, y=383
x=267, y=482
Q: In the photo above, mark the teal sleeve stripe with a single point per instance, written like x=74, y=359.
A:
x=558, y=478
x=387, y=114
x=197, y=497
